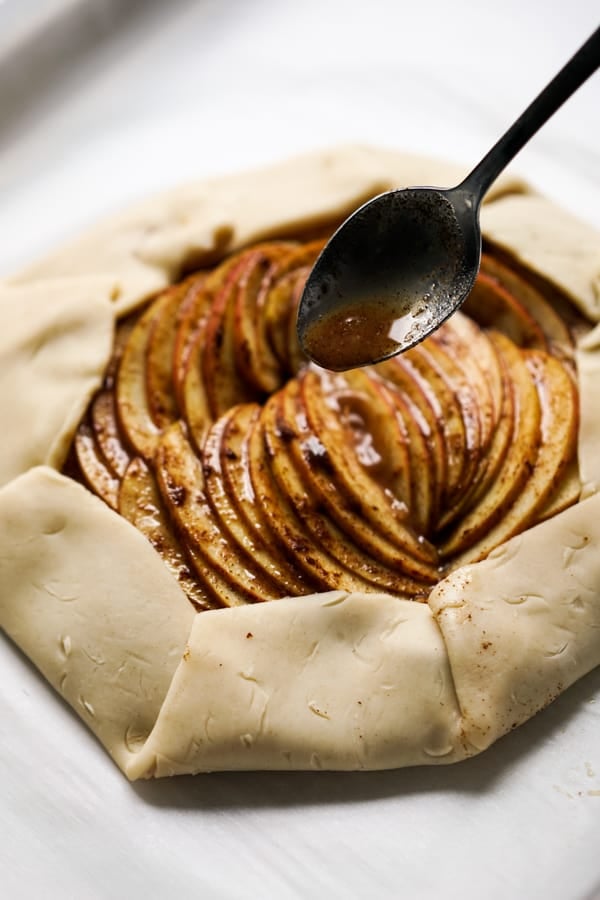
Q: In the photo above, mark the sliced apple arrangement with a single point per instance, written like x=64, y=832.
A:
x=257, y=475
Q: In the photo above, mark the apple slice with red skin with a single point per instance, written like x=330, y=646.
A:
x=223, y=383
x=96, y=474
x=254, y=357
x=517, y=464
x=189, y=348
x=140, y=503
x=321, y=527
x=553, y=323
x=558, y=402
x=295, y=355
x=279, y=296
x=280, y=299
x=492, y=305
x=103, y=419
x=181, y=482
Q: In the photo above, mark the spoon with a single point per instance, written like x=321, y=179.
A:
x=401, y=264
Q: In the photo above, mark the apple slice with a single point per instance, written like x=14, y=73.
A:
x=140, y=504
x=553, y=323
x=122, y=332
x=380, y=441
x=419, y=463
x=495, y=455
x=470, y=347
x=295, y=355
x=235, y=467
x=448, y=411
x=195, y=407
x=191, y=322
x=492, y=305
x=291, y=531
x=285, y=297
x=103, y=419
x=162, y=401
x=96, y=474
x=558, y=402
x=312, y=462
x=517, y=465
x=325, y=396
x=223, y=383
x=280, y=300
x=566, y=494
x=475, y=405
x=225, y=568
x=188, y=351
x=339, y=415
x=479, y=391
x=216, y=447
x=314, y=518
x=280, y=296
x=416, y=395
x=255, y=359
x=133, y=411
x=191, y=316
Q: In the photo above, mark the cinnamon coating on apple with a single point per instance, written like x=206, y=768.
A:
x=256, y=475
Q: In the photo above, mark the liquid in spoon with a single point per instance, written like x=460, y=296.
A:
x=346, y=338
x=353, y=294
x=362, y=333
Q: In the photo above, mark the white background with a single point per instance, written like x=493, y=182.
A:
x=102, y=101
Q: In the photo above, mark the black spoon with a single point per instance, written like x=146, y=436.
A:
x=405, y=261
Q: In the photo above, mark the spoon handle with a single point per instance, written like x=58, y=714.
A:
x=579, y=68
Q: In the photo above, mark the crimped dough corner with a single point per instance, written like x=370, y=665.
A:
x=331, y=681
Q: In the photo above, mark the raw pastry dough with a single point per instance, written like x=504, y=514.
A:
x=168, y=691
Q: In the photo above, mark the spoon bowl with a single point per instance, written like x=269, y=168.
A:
x=406, y=260
x=356, y=310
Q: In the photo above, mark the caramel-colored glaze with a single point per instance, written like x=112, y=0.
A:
x=353, y=336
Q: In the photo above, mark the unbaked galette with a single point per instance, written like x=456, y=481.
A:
x=225, y=557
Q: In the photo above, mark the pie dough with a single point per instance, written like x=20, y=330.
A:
x=331, y=681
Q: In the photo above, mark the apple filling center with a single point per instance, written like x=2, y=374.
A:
x=256, y=475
